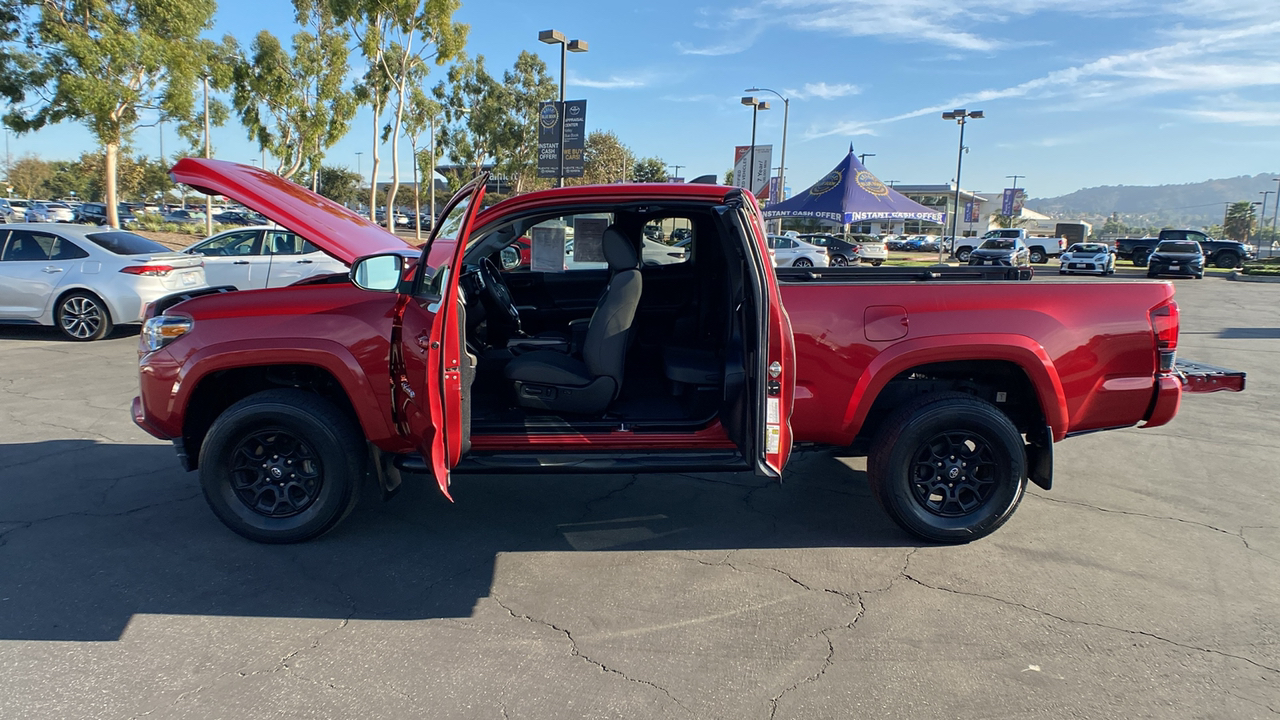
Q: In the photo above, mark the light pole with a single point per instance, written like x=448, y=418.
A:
x=782, y=161
x=554, y=37
x=358, y=165
x=960, y=115
x=862, y=158
x=756, y=107
x=1276, y=213
x=1262, y=221
x=676, y=171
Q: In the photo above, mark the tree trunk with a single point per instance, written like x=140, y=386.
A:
x=373, y=179
x=113, y=215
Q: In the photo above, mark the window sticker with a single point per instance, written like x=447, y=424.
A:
x=548, y=249
x=588, y=239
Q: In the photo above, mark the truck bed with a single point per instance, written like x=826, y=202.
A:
x=1088, y=352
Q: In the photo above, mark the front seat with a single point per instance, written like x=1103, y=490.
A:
x=555, y=381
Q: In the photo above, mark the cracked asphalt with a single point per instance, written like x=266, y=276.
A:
x=1145, y=585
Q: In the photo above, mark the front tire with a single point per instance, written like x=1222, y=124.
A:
x=948, y=468
x=83, y=317
x=1039, y=257
x=1227, y=260
x=282, y=466
x=963, y=255
x=876, y=263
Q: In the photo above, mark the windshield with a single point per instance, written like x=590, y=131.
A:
x=997, y=244
x=1088, y=248
x=126, y=243
x=1178, y=247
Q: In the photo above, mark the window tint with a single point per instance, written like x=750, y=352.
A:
x=997, y=244
x=279, y=242
x=24, y=245
x=64, y=249
x=125, y=243
x=236, y=243
x=1178, y=247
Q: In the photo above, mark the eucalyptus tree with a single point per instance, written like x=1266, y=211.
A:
x=110, y=63
x=295, y=105
x=399, y=38
x=650, y=169
x=605, y=159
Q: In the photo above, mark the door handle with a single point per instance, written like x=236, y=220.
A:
x=303, y=262
x=53, y=269
x=240, y=262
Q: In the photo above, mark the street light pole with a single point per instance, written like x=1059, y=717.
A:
x=756, y=106
x=1276, y=214
x=960, y=115
x=553, y=37
x=862, y=158
x=782, y=161
x=676, y=172
x=1262, y=221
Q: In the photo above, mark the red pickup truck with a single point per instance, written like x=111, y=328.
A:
x=603, y=352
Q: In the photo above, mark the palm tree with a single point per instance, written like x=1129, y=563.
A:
x=1007, y=221
x=1240, y=221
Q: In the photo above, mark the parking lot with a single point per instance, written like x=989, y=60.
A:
x=1144, y=585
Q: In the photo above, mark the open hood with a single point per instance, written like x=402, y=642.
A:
x=331, y=227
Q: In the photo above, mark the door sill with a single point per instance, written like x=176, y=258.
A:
x=583, y=462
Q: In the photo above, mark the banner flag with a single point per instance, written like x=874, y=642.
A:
x=1007, y=201
x=575, y=137
x=548, y=139
x=759, y=179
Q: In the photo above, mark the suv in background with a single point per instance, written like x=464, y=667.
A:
x=840, y=252
x=96, y=214
x=1221, y=253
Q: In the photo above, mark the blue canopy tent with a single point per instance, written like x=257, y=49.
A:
x=850, y=193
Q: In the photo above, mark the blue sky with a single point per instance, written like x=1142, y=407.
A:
x=1077, y=93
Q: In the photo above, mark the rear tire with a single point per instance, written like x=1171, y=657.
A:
x=802, y=262
x=839, y=261
x=948, y=468
x=963, y=255
x=1039, y=257
x=282, y=466
x=1140, y=256
x=83, y=317
x=876, y=263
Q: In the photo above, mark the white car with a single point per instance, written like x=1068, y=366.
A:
x=872, y=250
x=84, y=279
x=49, y=211
x=262, y=256
x=1087, y=257
x=793, y=252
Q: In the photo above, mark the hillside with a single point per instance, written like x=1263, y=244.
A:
x=1192, y=204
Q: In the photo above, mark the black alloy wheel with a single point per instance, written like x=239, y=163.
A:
x=839, y=260
x=282, y=466
x=948, y=467
x=1227, y=259
x=83, y=317
x=1140, y=257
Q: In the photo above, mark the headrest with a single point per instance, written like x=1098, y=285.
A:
x=618, y=250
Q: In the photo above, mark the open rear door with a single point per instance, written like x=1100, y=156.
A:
x=430, y=361
x=771, y=360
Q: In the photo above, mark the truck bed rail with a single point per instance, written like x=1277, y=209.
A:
x=974, y=273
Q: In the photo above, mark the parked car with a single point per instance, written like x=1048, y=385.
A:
x=681, y=237
x=234, y=217
x=261, y=257
x=18, y=207
x=1088, y=257
x=794, y=252
x=653, y=252
x=1176, y=257
x=840, y=252
x=50, y=211
x=184, y=217
x=92, y=213
x=1221, y=253
x=654, y=232
x=871, y=250
x=1001, y=251
x=287, y=400
x=84, y=280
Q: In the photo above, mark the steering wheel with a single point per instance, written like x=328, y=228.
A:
x=497, y=294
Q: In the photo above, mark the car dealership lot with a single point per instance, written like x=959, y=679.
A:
x=1143, y=585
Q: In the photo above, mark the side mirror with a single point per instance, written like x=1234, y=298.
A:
x=378, y=273
x=510, y=258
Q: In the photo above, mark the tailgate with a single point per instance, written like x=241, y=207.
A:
x=1201, y=378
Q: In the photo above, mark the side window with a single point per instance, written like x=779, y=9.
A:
x=279, y=242
x=1178, y=235
x=667, y=241
x=64, y=249
x=25, y=245
x=1197, y=237
x=236, y=243
x=308, y=248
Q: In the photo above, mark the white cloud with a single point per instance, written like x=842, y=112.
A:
x=1233, y=110
x=824, y=91
x=614, y=82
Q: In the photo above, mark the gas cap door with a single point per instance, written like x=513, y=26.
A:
x=882, y=323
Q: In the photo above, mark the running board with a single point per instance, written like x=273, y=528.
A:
x=507, y=462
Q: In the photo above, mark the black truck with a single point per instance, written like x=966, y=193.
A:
x=1221, y=253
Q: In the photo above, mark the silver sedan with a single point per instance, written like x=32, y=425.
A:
x=84, y=280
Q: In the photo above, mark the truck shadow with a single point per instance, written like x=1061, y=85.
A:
x=1249, y=334
x=93, y=533
x=52, y=334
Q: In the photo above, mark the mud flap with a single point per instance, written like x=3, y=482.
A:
x=1040, y=457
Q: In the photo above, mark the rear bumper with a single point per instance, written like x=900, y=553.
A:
x=1165, y=403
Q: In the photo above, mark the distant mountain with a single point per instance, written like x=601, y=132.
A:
x=1192, y=204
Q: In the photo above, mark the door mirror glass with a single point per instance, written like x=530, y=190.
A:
x=379, y=273
x=510, y=258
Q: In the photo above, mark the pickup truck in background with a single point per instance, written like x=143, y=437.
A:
x=1219, y=253
x=954, y=382
x=1041, y=248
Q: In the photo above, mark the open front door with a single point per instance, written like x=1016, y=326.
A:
x=430, y=366
x=771, y=356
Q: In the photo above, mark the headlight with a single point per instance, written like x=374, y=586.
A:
x=164, y=329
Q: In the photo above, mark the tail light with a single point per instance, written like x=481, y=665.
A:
x=148, y=270
x=1164, y=324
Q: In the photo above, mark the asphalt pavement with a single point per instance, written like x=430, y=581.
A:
x=1144, y=585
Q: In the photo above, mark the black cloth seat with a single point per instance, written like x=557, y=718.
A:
x=691, y=366
x=549, y=380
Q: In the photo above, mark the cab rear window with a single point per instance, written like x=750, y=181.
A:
x=125, y=243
